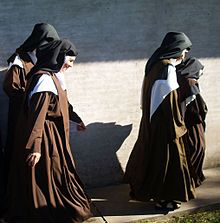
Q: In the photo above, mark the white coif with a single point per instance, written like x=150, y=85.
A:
x=162, y=88
x=44, y=84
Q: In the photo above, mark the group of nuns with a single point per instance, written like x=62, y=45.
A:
x=165, y=165
x=40, y=180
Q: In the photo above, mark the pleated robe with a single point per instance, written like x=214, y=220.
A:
x=14, y=86
x=195, y=123
x=50, y=192
x=158, y=165
x=194, y=116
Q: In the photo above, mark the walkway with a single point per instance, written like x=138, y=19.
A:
x=116, y=206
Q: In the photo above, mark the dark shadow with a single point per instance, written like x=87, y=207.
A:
x=3, y=127
x=95, y=153
x=46, y=214
x=2, y=189
x=115, y=201
x=3, y=108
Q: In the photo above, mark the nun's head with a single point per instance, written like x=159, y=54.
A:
x=42, y=33
x=173, y=45
x=67, y=55
x=56, y=56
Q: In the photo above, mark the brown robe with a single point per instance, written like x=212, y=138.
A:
x=194, y=117
x=52, y=190
x=158, y=167
x=14, y=86
x=195, y=122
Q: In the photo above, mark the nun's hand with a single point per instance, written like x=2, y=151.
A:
x=81, y=126
x=33, y=159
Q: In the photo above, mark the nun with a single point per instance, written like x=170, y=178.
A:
x=19, y=64
x=158, y=167
x=43, y=183
x=194, y=110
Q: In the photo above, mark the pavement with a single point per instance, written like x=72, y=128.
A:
x=117, y=207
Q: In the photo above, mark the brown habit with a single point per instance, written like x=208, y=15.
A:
x=194, y=116
x=14, y=86
x=51, y=192
x=195, y=138
x=195, y=122
x=158, y=168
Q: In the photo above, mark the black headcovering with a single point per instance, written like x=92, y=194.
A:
x=197, y=110
x=51, y=56
x=41, y=34
x=171, y=47
x=189, y=68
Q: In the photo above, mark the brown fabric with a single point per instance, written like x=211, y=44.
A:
x=14, y=86
x=184, y=89
x=158, y=167
x=194, y=117
x=195, y=121
x=15, y=78
x=52, y=190
x=73, y=116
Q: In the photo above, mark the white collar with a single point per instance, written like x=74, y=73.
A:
x=61, y=78
x=161, y=88
x=44, y=84
x=17, y=61
x=175, y=62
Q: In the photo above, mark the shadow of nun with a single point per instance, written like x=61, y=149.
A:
x=95, y=153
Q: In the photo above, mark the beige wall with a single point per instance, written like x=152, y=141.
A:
x=115, y=39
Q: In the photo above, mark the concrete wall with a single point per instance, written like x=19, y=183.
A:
x=115, y=38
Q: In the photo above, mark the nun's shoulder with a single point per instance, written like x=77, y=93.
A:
x=17, y=62
x=45, y=83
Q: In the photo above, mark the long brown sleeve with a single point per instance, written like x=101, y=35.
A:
x=186, y=88
x=73, y=116
x=37, y=111
x=175, y=122
x=14, y=82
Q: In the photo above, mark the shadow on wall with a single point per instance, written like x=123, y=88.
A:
x=95, y=153
x=3, y=108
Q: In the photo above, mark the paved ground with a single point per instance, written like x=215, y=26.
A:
x=116, y=206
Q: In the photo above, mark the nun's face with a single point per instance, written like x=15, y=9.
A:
x=200, y=72
x=181, y=58
x=69, y=60
x=184, y=53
